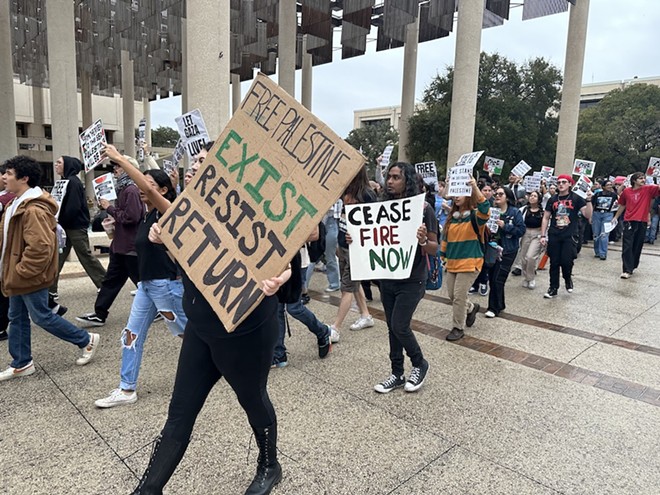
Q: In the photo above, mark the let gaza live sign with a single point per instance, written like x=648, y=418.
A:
x=270, y=178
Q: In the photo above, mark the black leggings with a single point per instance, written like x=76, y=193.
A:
x=562, y=252
x=205, y=357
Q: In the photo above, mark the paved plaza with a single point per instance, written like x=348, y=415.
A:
x=555, y=397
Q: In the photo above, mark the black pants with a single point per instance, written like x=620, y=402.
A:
x=497, y=274
x=400, y=299
x=633, y=241
x=562, y=252
x=482, y=278
x=205, y=357
x=121, y=267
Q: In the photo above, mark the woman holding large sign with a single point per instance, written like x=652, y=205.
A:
x=401, y=297
x=461, y=250
x=243, y=357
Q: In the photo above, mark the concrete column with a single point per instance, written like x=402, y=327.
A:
x=570, y=95
x=87, y=120
x=8, y=146
x=408, y=87
x=184, y=66
x=62, y=77
x=146, y=113
x=235, y=92
x=36, y=129
x=207, y=51
x=128, y=103
x=306, y=93
x=286, y=46
x=466, y=79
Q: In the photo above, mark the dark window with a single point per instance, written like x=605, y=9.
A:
x=21, y=130
x=48, y=132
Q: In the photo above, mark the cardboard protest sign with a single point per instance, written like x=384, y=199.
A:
x=104, y=187
x=493, y=165
x=270, y=178
x=653, y=170
x=582, y=185
x=428, y=172
x=546, y=172
x=491, y=224
x=193, y=131
x=584, y=167
x=142, y=138
x=384, y=237
x=521, y=169
x=92, y=142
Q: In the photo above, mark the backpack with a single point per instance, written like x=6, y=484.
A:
x=316, y=248
x=490, y=250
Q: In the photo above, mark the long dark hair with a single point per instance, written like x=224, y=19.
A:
x=163, y=180
x=409, y=174
x=508, y=194
x=359, y=187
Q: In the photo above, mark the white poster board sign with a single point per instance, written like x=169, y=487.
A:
x=653, y=170
x=92, y=142
x=384, y=237
x=459, y=180
x=469, y=159
x=546, y=172
x=193, y=131
x=142, y=138
x=385, y=157
x=584, y=167
x=168, y=166
x=493, y=165
x=428, y=172
x=179, y=151
x=59, y=190
x=582, y=185
x=608, y=227
x=491, y=224
x=521, y=169
x=104, y=187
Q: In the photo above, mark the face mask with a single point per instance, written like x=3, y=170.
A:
x=458, y=214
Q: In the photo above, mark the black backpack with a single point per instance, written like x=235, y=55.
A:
x=316, y=248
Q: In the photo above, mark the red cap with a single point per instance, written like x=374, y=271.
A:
x=566, y=177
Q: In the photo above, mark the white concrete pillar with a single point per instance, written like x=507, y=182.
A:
x=62, y=78
x=207, y=51
x=87, y=120
x=286, y=46
x=146, y=114
x=235, y=92
x=184, y=66
x=128, y=103
x=569, y=112
x=408, y=86
x=8, y=146
x=306, y=79
x=36, y=129
x=466, y=79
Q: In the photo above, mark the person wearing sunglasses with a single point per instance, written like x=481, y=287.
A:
x=602, y=201
x=559, y=232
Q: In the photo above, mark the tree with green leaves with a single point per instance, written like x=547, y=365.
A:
x=372, y=140
x=516, y=115
x=164, y=137
x=621, y=132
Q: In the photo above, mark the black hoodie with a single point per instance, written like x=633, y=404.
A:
x=74, y=213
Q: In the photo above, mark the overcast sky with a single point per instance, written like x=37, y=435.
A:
x=621, y=44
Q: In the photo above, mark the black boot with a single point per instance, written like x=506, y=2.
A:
x=165, y=457
x=269, y=471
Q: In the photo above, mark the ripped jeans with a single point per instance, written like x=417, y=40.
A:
x=153, y=296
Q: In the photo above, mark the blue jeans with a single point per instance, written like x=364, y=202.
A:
x=600, y=237
x=152, y=296
x=652, y=229
x=331, y=264
x=35, y=306
x=304, y=316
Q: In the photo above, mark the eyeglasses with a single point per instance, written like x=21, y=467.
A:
x=500, y=194
x=562, y=182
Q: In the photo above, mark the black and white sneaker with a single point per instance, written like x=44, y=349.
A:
x=569, y=286
x=472, y=315
x=552, y=292
x=472, y=290
x=91, y=319
x=324, y=344
x=390, y=383
x=417, y=376
x=483, y=289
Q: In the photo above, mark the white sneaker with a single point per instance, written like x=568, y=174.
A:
x=531, y=284
x=362, y=322
x=334, y=334
x=625, y=275
x=89, y=351
x=10, y=372
x=117, y=398
x=133, y=292
x=489, y=314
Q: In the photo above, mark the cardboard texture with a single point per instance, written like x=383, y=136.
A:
x=272, y=174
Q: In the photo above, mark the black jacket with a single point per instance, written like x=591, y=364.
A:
x=74, y=213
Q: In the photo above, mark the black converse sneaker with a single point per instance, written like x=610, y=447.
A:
x=390, y=383
x=552, y=292
x=417, y=376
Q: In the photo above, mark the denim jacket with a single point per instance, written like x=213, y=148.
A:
x=514, y=228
